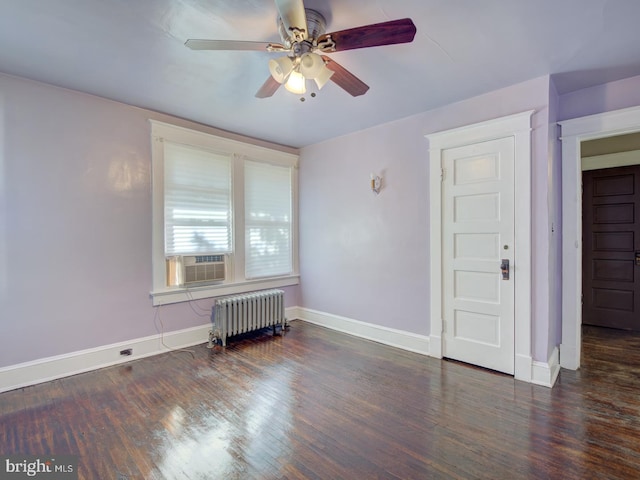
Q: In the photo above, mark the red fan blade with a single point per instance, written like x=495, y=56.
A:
x=345, y=79
x=386, y=33
x=268, y=88
x=195, y=44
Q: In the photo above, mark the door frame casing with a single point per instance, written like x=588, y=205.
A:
x=517, y=126
x=573, y=133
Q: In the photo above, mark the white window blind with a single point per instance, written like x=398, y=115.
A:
x=268, y=213
x=197, y=200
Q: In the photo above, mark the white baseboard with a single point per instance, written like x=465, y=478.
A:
x=569, y=357
x=435, y=346
x=388, y=336
x=545, y=374
x=52, y=368
x=292, y=313
x=523, y=368
x=527, y=370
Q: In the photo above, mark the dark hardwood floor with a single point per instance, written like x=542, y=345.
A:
x=318, y=404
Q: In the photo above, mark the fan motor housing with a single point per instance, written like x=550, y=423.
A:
x=316, y=25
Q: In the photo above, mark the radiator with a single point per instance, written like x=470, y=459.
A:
x=245, y=313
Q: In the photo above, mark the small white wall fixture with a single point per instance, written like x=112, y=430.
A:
x=574, y=132
x=517, y=126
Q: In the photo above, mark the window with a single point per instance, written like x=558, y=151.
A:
x=219, y=198
x=197, y=201
x=267, y=220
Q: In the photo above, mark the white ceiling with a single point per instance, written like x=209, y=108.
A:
x=133, y=51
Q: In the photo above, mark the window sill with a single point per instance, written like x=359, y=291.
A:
x=177, y=295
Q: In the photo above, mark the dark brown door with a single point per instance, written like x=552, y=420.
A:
x=611, y=253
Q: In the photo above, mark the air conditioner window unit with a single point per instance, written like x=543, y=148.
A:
x=184, y=270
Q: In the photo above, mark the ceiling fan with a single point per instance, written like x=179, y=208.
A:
x=305, y=43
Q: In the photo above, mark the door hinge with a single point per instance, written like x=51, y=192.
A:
x=442, y=174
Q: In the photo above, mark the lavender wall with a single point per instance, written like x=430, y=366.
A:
x=601, y=98
x=75, y=224
x=366, y=257
x=75, y=213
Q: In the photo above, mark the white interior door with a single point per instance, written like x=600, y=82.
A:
x=477, y=235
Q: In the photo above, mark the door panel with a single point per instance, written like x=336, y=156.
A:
x=611, y=236
x=478, y=232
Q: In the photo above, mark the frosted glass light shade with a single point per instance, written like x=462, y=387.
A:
x=296, y=83
x=311, y=65
x=280, y=68
x=323, y=77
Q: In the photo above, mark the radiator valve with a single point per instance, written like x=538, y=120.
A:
x=214, y=336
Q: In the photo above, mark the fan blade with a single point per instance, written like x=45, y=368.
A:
x=268, y=88
x=195, y=44
x=386, y=33
x=293, y=18
x=345, y=79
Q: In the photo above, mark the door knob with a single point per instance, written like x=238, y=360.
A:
x=504, y=267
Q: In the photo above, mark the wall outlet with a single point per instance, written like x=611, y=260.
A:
x=126, y=352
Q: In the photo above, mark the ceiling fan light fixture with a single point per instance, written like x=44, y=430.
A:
x=323, y=77
x=296, y=83
x=311, y=65
x=280, y=68
x=303, y=34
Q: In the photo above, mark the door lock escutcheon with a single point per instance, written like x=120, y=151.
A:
x=504, y=268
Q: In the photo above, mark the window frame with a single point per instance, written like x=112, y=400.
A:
x=266, y=224
x=236, y=282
